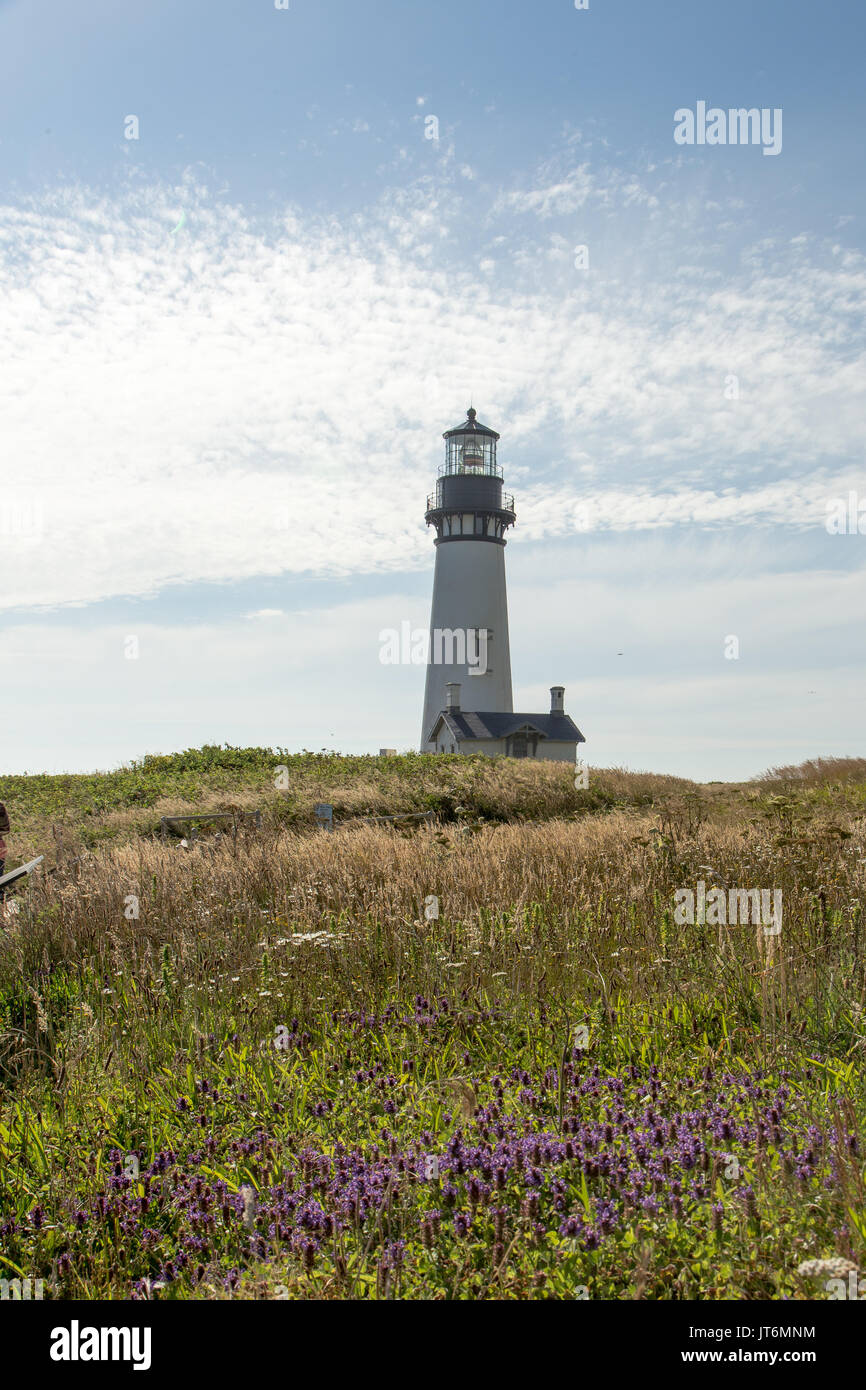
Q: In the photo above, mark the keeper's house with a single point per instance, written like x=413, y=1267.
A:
x=553, y=736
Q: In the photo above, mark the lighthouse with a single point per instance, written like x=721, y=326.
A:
x=467, y=698
x=469, y=613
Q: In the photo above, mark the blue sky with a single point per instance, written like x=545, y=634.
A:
x=230, y=347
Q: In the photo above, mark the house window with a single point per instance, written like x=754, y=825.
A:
x=518, y=746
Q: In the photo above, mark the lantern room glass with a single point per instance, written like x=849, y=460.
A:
x=471, y=453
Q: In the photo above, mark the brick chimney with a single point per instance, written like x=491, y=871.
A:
x=452, y=696
x=557, y=699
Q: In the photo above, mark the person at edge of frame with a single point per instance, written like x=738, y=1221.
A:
x=4, y=825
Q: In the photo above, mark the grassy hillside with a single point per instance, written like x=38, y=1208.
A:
x=83, y=811
x=120, y=806
x=472, y=1058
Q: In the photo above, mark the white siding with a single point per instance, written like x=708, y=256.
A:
x=469, y=592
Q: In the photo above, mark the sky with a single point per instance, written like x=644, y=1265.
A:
x=255, y=260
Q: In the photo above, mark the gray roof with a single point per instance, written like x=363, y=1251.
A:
x=479, y=724
x=471, y=425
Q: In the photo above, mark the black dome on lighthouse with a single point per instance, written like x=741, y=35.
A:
x=471, y=425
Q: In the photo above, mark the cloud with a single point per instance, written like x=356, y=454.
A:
x=262, y=396
x=671, y=702
x=796, y=503
x=564, y=196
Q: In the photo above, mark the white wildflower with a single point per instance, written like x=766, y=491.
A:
x=834, y=1268
x=249, y=1195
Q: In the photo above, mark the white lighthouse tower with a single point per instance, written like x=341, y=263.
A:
x=467, y=699
x=469, y=616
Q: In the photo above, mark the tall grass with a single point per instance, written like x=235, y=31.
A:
x=147, y=977
x=59, y=815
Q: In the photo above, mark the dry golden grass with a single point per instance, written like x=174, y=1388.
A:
x=58, y=817
x=571, y=904
x=818, y=772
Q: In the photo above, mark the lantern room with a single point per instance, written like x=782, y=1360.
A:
x=471, y=448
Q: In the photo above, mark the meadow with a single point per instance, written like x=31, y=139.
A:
x=467, y=1058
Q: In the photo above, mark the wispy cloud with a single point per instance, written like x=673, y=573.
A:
x=246, y=397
